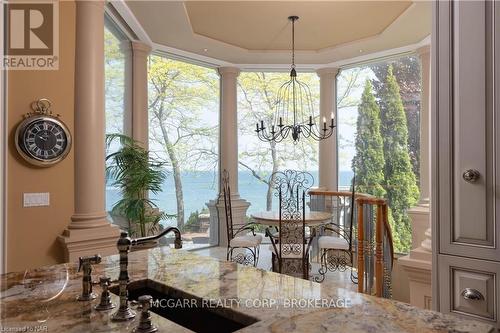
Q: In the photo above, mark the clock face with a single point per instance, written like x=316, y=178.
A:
x=43, y=140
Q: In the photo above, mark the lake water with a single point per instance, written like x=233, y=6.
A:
x=200, y=187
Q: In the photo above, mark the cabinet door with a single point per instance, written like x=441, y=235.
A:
x=468, y=288
x=468, y=53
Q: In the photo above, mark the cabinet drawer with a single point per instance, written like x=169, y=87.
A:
x=468, y=287
x=473, y=292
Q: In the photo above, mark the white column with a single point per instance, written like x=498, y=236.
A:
x=228, y=156
x=420, y=215
x=136, y=120
x=126, y=49
x=89, y=231
x=328, y=172
x=418, y=264
x=425, y=139
x=229, y=125
x=140, y=123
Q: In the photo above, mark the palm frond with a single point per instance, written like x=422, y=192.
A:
x=136, y=173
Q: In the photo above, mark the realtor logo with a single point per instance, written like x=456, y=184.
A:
x=32, y=35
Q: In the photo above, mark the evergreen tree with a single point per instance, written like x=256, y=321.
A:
x=368, y=164
x=400, y=181
x=407, y=72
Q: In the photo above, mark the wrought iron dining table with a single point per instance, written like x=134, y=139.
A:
x=272, y=218
x=313, y=219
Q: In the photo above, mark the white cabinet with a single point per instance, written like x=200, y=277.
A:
x=469, y=287
x=466, y=157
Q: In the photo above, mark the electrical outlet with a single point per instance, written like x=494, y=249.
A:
x=36, y=199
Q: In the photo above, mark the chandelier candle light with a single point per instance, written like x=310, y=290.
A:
x=293, y=104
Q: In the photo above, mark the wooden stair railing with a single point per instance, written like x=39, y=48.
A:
x=373, y=247
x=384, y=251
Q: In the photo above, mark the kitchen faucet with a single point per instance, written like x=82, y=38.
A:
x=124, y=244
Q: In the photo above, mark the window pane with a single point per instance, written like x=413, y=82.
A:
x=184, y=125
x=379, y=134
x=258, y=160
x=115, y=98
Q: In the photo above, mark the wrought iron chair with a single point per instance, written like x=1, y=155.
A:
x=237, y=234
x=336, y=247
x=290, y=249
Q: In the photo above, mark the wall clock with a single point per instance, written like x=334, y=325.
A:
x=42, y=139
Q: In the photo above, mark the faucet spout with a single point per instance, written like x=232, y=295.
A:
x=124, y=245
x=147, y=239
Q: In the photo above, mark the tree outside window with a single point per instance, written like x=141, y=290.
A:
x=184, y=120
x=379, y=135
x=114, y=94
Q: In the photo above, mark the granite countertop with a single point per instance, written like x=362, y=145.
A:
x=44, y=299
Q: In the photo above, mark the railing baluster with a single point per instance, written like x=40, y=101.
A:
x=374, y=248
x=361, y=242
x=379, y=268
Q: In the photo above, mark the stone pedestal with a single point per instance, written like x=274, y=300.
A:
x=418, y=264
x=84, y=242
x=218, y=218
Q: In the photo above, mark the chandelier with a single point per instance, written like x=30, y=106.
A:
x=293, y=105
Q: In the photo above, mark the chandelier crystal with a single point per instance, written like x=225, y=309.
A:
x=294, y=110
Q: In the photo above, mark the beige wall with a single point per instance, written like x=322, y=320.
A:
x=31, y=232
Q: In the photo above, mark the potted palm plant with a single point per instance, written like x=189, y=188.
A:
x=136, y=173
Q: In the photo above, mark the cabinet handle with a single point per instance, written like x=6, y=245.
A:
x=472, y=294
x=471, y=175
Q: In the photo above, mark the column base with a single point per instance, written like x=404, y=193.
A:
x=418, y=266
x=83, y=242
x=218, y=217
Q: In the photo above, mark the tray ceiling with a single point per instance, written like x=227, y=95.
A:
x=264, y=25
x=258, y=32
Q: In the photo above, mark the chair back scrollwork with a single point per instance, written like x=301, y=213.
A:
x=292, y=244
x=226, y=191
x=238, y=236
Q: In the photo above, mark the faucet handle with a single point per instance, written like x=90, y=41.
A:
x=86, y=263
x=105, y=303
x=145, y=325
x=88, y=260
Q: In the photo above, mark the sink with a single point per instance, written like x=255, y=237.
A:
x=192, y=315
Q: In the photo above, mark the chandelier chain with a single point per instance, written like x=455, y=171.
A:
x=293, y=42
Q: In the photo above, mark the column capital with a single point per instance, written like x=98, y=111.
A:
x=327, y=72
x=140, y=48
x=423, y=50
x=224, y=71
